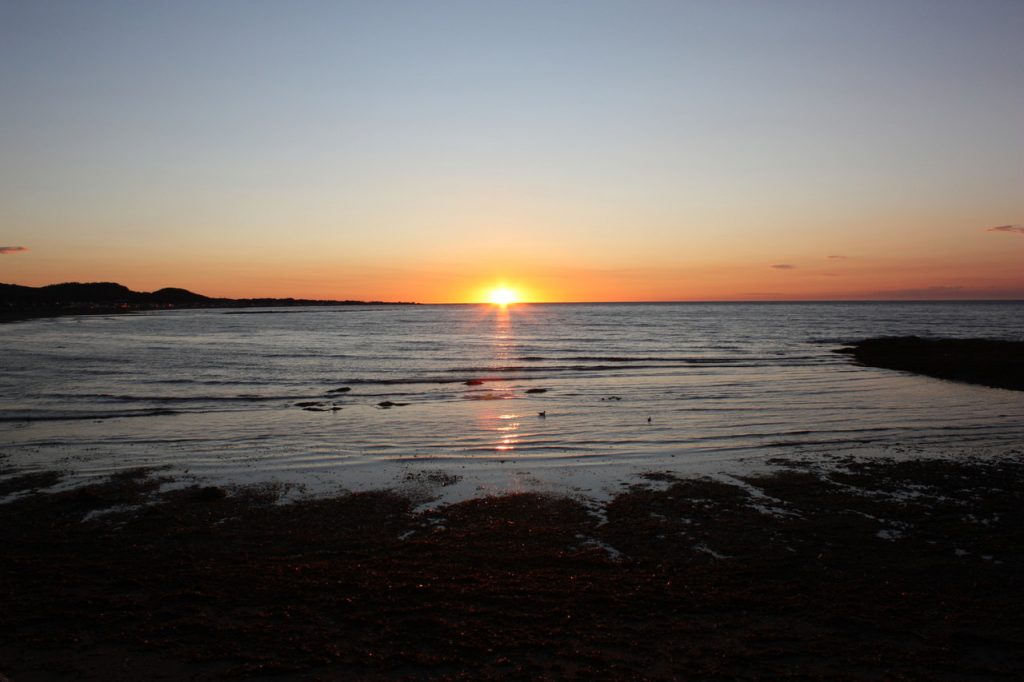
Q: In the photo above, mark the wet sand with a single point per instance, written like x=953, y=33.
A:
x=845, y=569
x=999, y=364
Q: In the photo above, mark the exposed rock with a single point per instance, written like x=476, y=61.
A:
x=989, y=362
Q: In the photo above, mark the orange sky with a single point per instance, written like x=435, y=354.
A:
x=589, y=152
x=987, y=265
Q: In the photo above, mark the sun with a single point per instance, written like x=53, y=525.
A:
x=502, y=296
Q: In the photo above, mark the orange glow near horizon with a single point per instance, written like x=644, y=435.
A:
x=502, y=296
x=990, y=271
x=501, y=293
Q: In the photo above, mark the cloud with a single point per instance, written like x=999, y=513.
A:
x=836, y=257
x=784, y=266
x=1019, y=229
x=12, y=249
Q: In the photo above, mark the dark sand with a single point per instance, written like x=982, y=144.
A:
x=988, y=362
x=871, y=570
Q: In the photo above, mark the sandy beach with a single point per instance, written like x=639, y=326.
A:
x=841, y=569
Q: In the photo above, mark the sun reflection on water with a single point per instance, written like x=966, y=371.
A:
x=505, y=428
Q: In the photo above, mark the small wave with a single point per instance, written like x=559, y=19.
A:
x=519, y=449
x=743, y=360
x=499, y=373
x=108, y=397
x=399, y=381
x=836, y=441
x=609, y=358
x=159, y=412
x=548, y=368
x=624, y=366
x=202, y=382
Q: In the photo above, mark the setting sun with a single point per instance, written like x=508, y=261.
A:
x=502, y=296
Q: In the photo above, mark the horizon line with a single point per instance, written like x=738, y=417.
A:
x=1019, y=299
x=743, y=300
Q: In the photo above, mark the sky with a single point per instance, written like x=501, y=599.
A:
x=574, y=151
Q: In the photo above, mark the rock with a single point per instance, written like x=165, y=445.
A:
x=387, y=403
x=536, y=390
x=989, y=362
x=475, y=382
x=343, y=389
x=210, y=493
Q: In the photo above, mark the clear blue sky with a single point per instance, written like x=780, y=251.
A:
x=380, y=149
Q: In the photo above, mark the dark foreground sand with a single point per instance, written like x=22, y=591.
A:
x=872, y=570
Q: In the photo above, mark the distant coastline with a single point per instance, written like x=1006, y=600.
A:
x=75, y=298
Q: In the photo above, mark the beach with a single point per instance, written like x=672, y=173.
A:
x=564, y=492
x=834, y=569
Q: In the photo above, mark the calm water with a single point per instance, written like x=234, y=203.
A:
x=215, y=392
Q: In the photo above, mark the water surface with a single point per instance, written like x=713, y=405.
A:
x=624, y=388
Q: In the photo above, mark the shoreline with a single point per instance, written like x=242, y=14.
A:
x=243, y=307
x=851, y=568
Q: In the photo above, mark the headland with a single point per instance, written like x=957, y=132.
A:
x=74, y=298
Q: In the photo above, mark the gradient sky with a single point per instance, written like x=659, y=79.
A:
x=577, y=150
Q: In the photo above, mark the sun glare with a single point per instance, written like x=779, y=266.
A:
x=502, y=296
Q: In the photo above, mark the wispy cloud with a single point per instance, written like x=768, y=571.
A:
x=12, y=249
x=784, y=266
x=1019, y=229
x=836, y=257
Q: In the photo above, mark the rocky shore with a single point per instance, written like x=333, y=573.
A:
x=842, y=569
x=995, y=363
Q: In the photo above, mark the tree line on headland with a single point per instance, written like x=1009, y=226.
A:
x=75, y=298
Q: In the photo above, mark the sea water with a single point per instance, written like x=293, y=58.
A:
x=573, y=395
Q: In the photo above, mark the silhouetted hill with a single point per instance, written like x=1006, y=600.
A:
x=70, y=292
x=177, y=295
x=18, y=302
x=94, y=291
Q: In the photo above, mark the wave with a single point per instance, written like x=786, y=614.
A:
x=549, y=368
x=675, y=360
x=77, y=416
x=109, y=397
x=319, y=356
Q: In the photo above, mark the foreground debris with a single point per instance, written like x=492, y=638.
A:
x=857, y=570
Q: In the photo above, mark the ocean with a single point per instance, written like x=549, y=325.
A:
x=569, y=397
